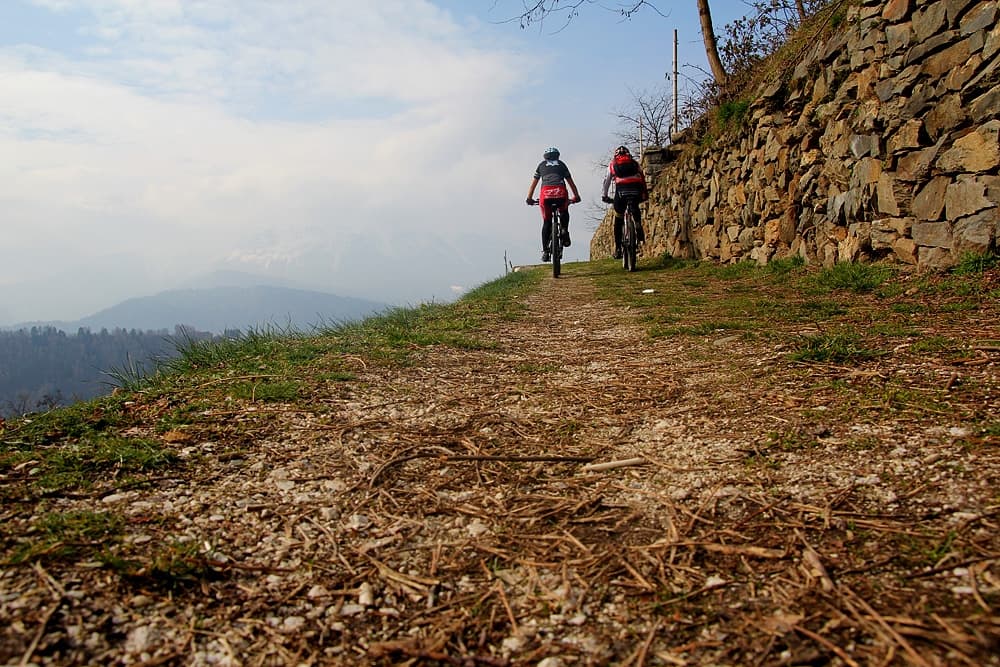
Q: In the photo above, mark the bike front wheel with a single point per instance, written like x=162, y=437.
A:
x=556, y=243
x=629, y=251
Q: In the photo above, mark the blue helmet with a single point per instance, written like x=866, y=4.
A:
x=551, y=153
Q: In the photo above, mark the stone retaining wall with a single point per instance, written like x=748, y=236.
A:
x=884, y=142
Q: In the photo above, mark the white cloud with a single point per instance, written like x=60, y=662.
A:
x=198, y=133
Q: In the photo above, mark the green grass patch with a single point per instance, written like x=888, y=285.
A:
x=855, y=277
x=57, y=536
x=671, y=263
x=933, y=344
x=267, y=392
x=892, y=330
x=96, y=457
x=337, y=376
x=817, y=310
x=972, y=264
x=182, y=415
x=173, y=566
x=735, y=271
x=702, y=328
x=790, y=441
x=906, y=308
x=785, y=265
x=834, y=348
x=958, y=307
x=733, y=113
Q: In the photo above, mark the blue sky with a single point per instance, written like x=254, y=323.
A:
x=377, y=149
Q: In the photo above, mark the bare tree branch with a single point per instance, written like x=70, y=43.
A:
x=647, y=121
x=537, y=11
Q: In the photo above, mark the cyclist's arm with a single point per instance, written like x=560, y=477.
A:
x=576, y=193
x=607, y=182
x=531, y=188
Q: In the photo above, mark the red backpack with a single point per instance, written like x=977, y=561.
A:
x=624, y=166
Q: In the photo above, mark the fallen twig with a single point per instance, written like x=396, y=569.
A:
x=611, y=465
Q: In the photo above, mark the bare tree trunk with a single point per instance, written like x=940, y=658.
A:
x=801, y=7
x=711, y=48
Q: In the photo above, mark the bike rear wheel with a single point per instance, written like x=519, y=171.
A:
x=556, y=243
x=629, y=243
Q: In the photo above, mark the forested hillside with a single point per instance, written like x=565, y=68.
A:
x=44, y=367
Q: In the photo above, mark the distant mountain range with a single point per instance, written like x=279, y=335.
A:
x=50, y=365
x=216, y=309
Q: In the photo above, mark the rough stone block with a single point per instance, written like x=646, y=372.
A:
x=883, y=236
x=982, y=16
x=898, y=226
x=986, y=106
x=977, y=233
x=922, y=97
x=934, y=259
x=886, y=195
x=956, y=8
x=992, y=44
x=929, y=20
x=913, y=166
x=856, y=243
x=864, y=145
x=948, y=59
x=762, y=254
x=905, y=250
x=895, y=11
x=976, y=152
x=946, y=115
x=992, y=184
x=906, y=137
x=929, y=202
x=932, y=234
x=958, y=77
x=925, y=47
x=964, y=197
x=867, y=171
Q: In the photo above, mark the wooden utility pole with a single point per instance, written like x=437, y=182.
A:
x=676, y=121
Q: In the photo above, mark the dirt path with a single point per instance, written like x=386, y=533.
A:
x=430, y=513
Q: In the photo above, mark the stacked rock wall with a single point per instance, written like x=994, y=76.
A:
x=884, y=142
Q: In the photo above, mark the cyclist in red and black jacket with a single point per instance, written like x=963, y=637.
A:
x=553, y=174
x=630, y=190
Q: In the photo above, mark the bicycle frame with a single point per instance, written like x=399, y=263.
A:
x=555, y=235
x=629, y=237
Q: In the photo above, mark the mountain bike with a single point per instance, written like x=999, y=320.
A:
x=555, y=235
x=630, y=243
x=630, y=234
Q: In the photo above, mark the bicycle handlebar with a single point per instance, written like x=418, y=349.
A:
x=536, y=202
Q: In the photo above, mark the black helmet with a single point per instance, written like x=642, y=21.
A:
x=622, y=150
x=551, y=153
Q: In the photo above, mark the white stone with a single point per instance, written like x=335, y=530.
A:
x=293, y=623
x=476, y=528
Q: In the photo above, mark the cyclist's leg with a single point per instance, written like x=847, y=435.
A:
x=619, y=207
x=564, y=223
x=546, y=234
x=546, y=223
x=640, y=236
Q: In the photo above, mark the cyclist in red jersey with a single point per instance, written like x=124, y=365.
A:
x=554, y=175
x=630, y=190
